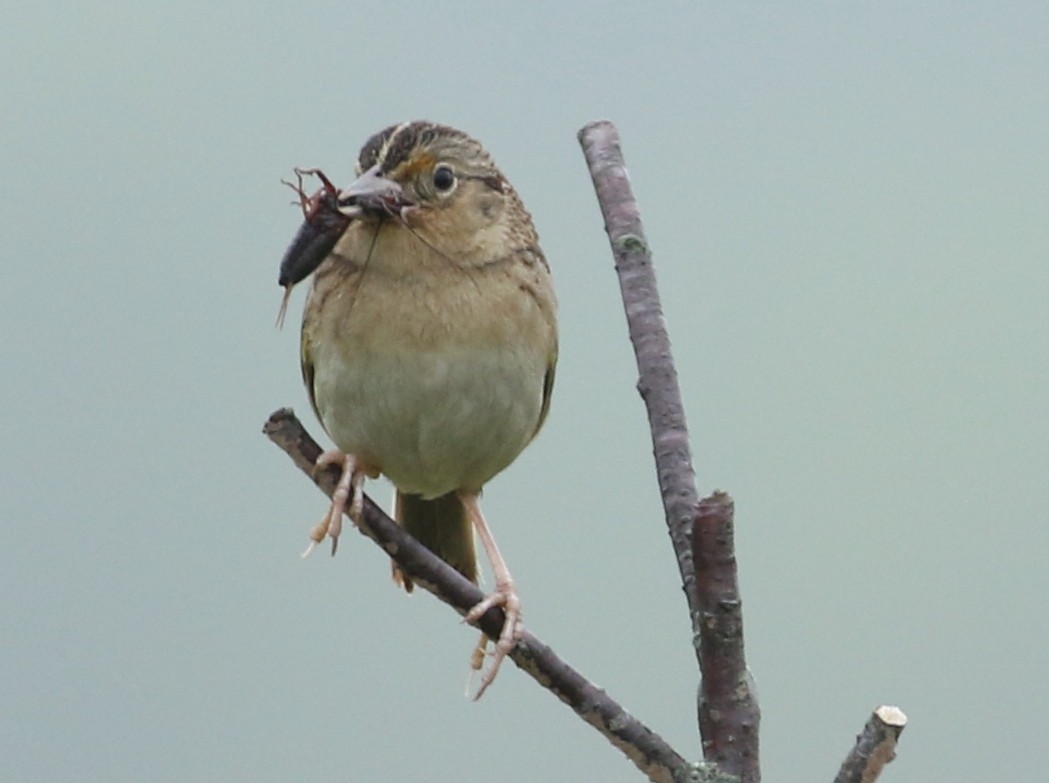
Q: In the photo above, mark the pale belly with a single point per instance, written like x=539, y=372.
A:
x=436, y=420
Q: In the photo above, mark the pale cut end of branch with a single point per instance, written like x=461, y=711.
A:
x=875, y=746
x=891, y=716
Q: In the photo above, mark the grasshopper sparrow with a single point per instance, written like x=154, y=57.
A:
x=429, y=340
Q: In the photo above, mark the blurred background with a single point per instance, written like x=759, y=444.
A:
x=847, y=205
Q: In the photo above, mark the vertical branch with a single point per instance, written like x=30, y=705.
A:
x=728, y=708
x=658, y=378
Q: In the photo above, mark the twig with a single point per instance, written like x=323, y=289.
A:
x=649, y=752
x=648, y=333
x=728, y=706
x=875, y=746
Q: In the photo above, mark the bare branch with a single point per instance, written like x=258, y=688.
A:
x=875, y=746
x=728, y=706
x=649, y=752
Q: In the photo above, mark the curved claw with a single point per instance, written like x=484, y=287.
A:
x=505, y=595
x=347, y=498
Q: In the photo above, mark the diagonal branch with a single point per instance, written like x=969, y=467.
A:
x=649, y=752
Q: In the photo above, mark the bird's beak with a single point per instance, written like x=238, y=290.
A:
x=372, y=193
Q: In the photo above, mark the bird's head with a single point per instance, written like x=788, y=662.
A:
x=432, y=182
x=441, y=185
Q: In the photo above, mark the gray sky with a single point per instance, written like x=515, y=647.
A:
x=847, y=204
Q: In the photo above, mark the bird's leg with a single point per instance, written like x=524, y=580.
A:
x=349, y=489
x=504, y=595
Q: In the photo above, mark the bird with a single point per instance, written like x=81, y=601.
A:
x=428, y=343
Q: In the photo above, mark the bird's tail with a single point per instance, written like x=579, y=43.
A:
x=443, y=526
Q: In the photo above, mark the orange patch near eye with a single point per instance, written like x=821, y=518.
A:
x=418, y=162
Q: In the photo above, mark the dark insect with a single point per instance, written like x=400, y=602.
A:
x=321, y=228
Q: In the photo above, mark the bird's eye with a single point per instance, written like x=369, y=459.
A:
x=443, y=178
